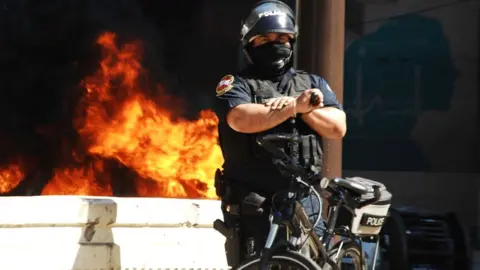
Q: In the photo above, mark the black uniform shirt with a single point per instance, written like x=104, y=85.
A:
x=240, y=165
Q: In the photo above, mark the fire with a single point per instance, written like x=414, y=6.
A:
x=10, y=177
x=119, y=120
x=79, y=181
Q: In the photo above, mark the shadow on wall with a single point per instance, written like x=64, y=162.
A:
x=392, y=77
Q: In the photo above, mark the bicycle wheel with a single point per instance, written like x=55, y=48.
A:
x=285, y=260
x=348, y=258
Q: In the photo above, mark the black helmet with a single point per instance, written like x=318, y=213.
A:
x=268, y=16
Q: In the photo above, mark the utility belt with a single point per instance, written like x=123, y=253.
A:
x=236, y=199
x=244, y=214
x=239, y=207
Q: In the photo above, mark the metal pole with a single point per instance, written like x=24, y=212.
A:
x=326, y=23
x=297, y=17
x=305, y=46
x=321, y=47
x=331, y=38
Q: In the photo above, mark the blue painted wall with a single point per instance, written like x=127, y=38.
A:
x=407, y=69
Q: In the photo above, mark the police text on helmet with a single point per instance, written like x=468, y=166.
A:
x=272, y=13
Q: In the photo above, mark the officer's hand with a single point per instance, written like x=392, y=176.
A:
x=279, y=103
x=303, y=101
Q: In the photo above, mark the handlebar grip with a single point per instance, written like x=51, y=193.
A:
x=314, y=99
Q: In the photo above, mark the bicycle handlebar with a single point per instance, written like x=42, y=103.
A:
x=294, y=167
x=283, y=159
x=278, y=137
x=295, y=138
x=342, y=190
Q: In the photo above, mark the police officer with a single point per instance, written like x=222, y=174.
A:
x=261, y=99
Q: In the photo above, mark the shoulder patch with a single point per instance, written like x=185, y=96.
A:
x=224, y=85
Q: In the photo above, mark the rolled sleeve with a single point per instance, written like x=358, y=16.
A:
x=329, y=97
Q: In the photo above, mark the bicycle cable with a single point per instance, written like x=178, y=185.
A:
x=319, y=216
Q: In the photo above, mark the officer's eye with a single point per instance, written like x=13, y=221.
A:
x=261, y=40
x=284, y=38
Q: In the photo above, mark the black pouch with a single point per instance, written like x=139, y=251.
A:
x=219, y=183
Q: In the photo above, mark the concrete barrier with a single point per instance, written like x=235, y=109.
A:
x=108, y=233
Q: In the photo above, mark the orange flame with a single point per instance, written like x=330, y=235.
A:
x=79, y=181
x=171, y=157
x=10, y=177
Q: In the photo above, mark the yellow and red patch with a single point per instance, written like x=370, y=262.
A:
x=225, y=84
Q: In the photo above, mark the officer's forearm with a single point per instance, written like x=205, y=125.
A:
x=253, y=118
x=329, y=122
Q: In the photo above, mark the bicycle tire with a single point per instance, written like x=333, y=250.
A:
x=351, y=249
x=293, y=258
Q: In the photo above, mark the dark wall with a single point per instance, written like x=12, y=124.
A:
x=47, y=48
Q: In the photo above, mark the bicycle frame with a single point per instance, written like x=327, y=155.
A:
x=332, y=230
x=297, y=223
x=299, y=229
x=300, y=233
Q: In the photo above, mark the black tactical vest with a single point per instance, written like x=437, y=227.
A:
x=309, y=152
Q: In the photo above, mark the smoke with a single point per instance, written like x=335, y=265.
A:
x=46, y=49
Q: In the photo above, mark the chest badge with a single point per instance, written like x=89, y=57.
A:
x=224, y=85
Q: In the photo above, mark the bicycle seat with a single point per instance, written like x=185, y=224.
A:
x=352, y=186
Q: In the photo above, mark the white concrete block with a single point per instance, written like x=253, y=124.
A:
x=49, y=256
x=56, y=210
x=87, y=233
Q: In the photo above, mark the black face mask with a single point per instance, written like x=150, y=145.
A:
x=272, y=57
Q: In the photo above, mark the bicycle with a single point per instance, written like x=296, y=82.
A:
x=364, y=218
x=302, y=247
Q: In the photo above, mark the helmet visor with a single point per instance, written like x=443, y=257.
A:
x=273, y=24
